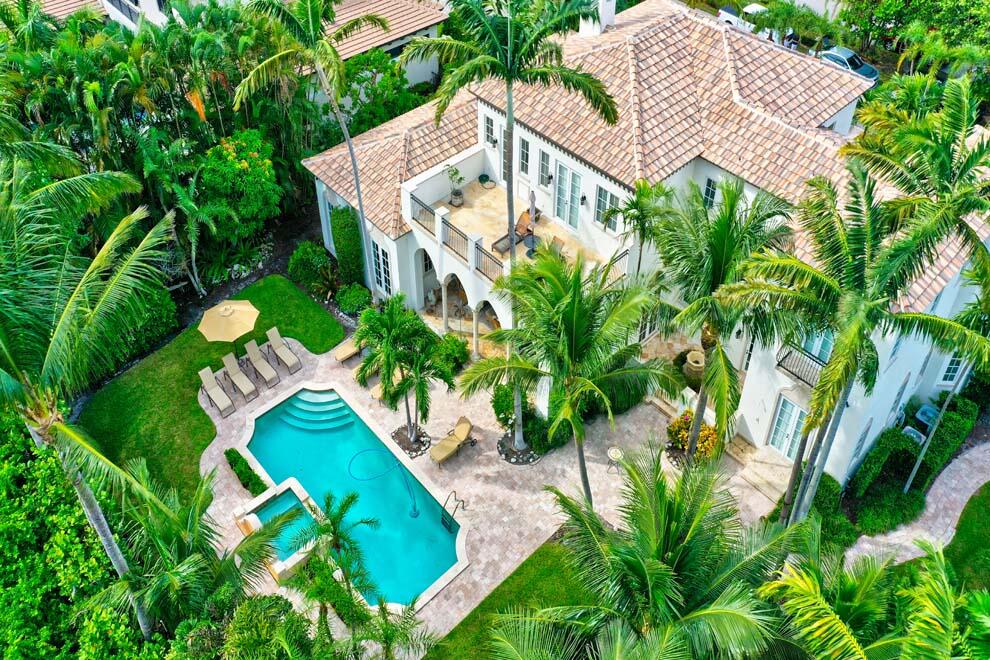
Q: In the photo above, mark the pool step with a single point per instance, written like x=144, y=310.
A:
x=318, y=407
x=317, y=397
x=316, y=416
x=318, y=425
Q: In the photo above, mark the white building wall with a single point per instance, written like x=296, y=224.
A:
x=129, y=13
x=417, y=71
x=842, y=121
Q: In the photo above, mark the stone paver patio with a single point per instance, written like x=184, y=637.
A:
x=508, y=514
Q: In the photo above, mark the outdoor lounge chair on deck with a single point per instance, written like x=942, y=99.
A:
x=238, y=378
x=377, y=391
x=457, y=438
x=282, y=351
x=214, y=392
x=260, y=364
x=524, y=227
x=347, y=350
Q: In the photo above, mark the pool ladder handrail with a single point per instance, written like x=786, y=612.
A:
x=447, y=518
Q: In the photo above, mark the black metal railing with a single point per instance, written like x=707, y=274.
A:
x=619, y=265
x=455, y=239
x=423, y=214
x=800, y=363
x=131, y=12
x=487, y=263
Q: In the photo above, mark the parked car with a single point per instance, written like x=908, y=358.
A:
x=850, y=61
x=746, y=21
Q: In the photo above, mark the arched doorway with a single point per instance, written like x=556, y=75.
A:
x=485, y=321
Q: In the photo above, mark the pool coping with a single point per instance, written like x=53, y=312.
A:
x=460, y=543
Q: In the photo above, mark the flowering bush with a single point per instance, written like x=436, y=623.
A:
x=679, y=430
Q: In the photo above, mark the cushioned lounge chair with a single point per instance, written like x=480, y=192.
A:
x=282, y=351
x=260, y=365
x=238, y=377
x=524, y=227
x=215, y=393
x=377, y=391
x=347, y=350
x=459, y=436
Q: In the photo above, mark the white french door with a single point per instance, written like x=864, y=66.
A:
x=819, y=345
x=785, y=433
x=567, y=199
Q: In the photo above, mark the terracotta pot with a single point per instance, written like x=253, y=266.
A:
x=694, y=365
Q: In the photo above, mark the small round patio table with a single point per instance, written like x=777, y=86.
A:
x=614, y=458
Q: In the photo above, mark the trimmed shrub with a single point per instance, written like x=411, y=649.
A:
x=535, y=428
x=453, y=351
x=502, y=406
x=957, y=423
x=622, y=401
x=892, y=447
x=248, y=477
x=352, y=299
x=885, y=508
x=157, y=320
x=347, y=244
x=307, y=266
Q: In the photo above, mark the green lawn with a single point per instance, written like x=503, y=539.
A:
x=544, y=579
x=151, y=412
x=969, y=551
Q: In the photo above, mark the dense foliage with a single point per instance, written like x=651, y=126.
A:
x=453, y=351
x=308, y=267
x=347, y=245
x=353, y=298
x=242, y=470
x=679, y=429
x=156, y=321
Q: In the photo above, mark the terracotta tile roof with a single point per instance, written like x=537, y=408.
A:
x=395, y=152
x=62, y=8
x=404, y=17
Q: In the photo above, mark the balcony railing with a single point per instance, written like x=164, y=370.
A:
x=799, y=363
x=132, y=13
x=423, y=214
x=487, y=263
x=619, y=264
x=455, y=239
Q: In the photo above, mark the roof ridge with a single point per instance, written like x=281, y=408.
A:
x=635, y=107
x=730, y=67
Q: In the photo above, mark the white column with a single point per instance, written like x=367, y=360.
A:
x=443, y=305
x=477, y=353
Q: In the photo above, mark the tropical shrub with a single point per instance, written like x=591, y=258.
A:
x=884, y=509
x=377, y=90
x=242, y=469
x=347, y=245
x=238, y=174
x=679, y=430
x=353, y=298
x=503, y=404
x=893, y=451
x=266, y=627
x=536, y=429
x=157, y=320
x=308, y=265
x=453, y=351
x=622, y=400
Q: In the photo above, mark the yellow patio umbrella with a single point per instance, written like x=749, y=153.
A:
x=228, y=320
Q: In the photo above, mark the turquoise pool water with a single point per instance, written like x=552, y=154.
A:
x=317, y=438
x=280, y=504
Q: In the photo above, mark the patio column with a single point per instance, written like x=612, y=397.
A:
x=477, y=353
x=443, y=305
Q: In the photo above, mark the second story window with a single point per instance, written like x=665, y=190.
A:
x=819, y=346
x=952, y=370
x=489, y=130
x=524, y=156
x=544, y=169
x=604, y=200
x=709, y=193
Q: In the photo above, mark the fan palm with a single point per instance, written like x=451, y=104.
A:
x=512, y=41
x=936, y=161
x=642, y=213
x=518, y=637
x=59, y=311
x=680, y=568
x=702, y=248
x=859, y=269
x=571, y=328
x=313, y=48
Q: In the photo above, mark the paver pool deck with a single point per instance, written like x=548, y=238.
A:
x=508, y=515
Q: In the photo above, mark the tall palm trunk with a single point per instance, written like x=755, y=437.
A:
x=410, y=423
x=785, y=509
x=94, y=514
x=583, y=467
x=365, y=240
x=804, y=504
x=508, y=140
x=194, y=274
x=699, y=416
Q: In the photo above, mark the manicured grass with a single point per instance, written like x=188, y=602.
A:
x=969, y=550
x=151, y=412
x=545, y=579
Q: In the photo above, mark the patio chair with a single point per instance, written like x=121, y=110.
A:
x=214, y=392
x=378, y=391
x=238, y=378
x=261, y=367
x=282, y=350
x=347, y=350
x=524, y=228
x=459, y=436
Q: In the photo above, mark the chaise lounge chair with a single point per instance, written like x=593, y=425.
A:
x=457, y=438
x=260, y=364
x=238, y=378
x=347, y=350
x=282, y=351
x=378, y=391
x=214, y=392
x=524, y=227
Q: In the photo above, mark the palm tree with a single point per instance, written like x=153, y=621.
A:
x=313, y=48
x=935, y=160
x=518, y=637
x=571, y=328
x=59, y=310
x=177, y=548
x=513, y=42
x=28, y=24
x=317, y=582
x=422, y=368
x=679, y=570
x=703, y=246
x=925, y=47
x=861, y=268
x=642, y=213
x=396, y=634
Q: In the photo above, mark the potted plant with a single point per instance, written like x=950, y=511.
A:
x=486, y=181
x=456, y=181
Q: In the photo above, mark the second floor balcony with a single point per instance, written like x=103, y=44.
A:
x=800, y=364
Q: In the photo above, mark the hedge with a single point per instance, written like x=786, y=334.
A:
x=453, y=351
x=247, y=476
x=347, y=244
x=353, y=298
x=307, y=265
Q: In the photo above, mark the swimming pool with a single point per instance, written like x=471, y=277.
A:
x=317, y=438
x=281, y=503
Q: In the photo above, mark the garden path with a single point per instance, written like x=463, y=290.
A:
x=943, y=506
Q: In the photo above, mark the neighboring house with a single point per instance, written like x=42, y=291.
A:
x=698, y=101
x=124, y=12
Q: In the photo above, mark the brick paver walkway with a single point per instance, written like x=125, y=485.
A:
x=944, y=504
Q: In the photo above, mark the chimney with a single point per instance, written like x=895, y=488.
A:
x=606, y=19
